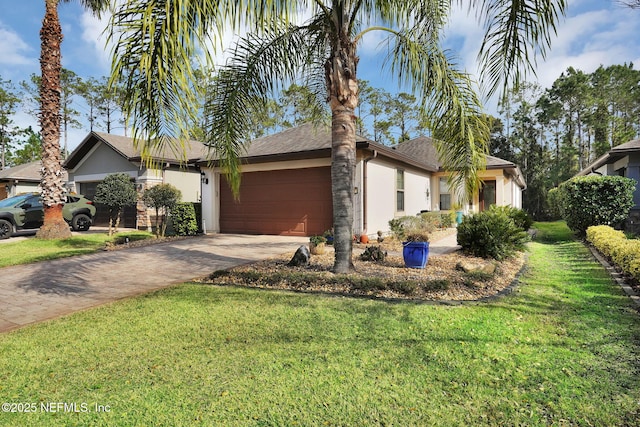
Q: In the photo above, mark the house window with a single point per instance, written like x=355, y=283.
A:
x=445, y=195
x=399, y=190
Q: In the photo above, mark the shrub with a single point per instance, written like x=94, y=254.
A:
x=403, y=226
x=368, y=284
x=520, y=217
x=613, y=244
x=399, y=226
x=555, y=204
x=162, y=197
x=184, y=219
x=447, y=219
x=373, y=253
x=596, y=200
x=406, y=287
x=433, y=219
x=436, y=285
x=491, y=234
x=317, y=240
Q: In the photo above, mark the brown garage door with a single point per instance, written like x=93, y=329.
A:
x=292, y=202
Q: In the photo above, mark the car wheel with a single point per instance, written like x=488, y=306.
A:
x=81, y=222
x=6, y=229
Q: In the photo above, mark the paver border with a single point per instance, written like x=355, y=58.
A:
x=617, y=277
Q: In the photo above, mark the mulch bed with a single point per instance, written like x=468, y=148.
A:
x=440, y=280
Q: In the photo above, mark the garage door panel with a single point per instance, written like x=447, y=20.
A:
x=287, y=202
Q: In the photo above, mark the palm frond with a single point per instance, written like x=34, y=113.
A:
x=451, y=107
x=157, y=43
x=515, y=32
x=258, y=66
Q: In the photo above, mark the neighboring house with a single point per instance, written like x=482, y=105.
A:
x=502, y=181
x=21, y=179
x=101, y=154
x=622, y=160
x=286, y=185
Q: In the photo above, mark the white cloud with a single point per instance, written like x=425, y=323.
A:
x=14, y=50
x=94, y=35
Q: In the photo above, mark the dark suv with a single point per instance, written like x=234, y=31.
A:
x=25, y=212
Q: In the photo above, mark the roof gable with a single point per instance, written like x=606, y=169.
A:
x=124, y=146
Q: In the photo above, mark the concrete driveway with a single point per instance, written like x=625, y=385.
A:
x=36, y=292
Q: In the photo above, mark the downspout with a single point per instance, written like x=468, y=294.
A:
x=364, y=189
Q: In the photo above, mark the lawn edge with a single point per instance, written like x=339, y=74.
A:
x=616, y=276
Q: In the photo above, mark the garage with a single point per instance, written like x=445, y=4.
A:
x=290, y=202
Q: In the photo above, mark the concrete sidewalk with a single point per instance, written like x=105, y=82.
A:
x=443, y=246
x=45, y=290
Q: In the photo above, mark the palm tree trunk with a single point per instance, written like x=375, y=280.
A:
x=52, y=186
x=343, y=162
x=342, y=85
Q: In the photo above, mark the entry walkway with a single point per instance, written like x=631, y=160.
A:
x=45, y=290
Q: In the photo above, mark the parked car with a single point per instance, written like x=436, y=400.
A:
x=25, y=211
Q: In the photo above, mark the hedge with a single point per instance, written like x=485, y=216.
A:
x=613, y=244
x=596, y=200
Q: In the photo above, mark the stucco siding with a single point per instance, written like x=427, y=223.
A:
x=188, y=182
x=99, y=163
x=380, y=197
x=381, y=194
x=416, y=188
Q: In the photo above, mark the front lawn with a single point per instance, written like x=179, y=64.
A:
x=34, y=250
x=563, y=350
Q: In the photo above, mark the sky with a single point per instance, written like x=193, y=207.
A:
x=594, y=33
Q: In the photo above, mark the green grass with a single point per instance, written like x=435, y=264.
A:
x=34, y=250
x=563, y=350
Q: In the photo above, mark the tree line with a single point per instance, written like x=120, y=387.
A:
x=554, y=133
x=88, y=103
x=91, y=104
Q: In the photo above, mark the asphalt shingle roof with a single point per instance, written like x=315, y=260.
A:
x=25, y=172
x=423, y=149
x=193, y=150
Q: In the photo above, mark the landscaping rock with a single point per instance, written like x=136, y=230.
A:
x=301, y=257
x=476, y=267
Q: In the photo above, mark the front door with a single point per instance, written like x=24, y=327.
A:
x=487, y=195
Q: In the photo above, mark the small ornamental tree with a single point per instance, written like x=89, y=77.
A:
x=596, y=200
x=162, y=197
x=116, y=191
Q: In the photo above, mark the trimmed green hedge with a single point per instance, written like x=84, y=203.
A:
x=613, y=244
x=596, y=200
x=184, y=219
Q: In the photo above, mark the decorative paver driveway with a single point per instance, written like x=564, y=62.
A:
x=45, y=290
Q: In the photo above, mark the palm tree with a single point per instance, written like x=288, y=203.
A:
x=156, y=40
x=50, y=64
